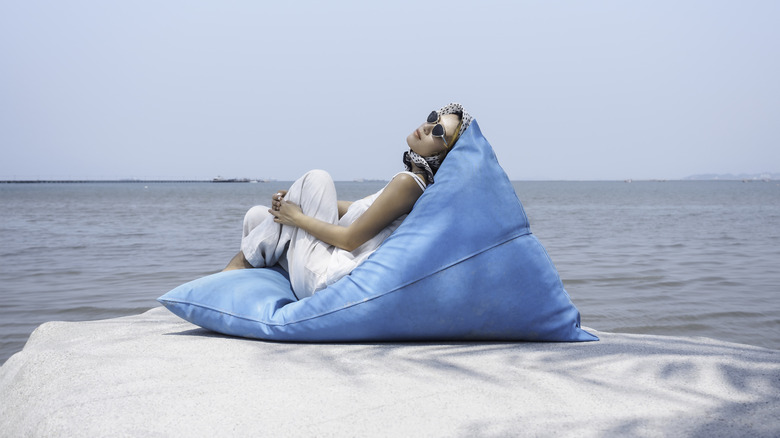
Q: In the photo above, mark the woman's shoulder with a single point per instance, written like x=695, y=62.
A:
x=407, y=180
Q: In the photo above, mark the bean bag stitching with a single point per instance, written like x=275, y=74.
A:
x=367, y=299
x=221, y=311
x=351, y=304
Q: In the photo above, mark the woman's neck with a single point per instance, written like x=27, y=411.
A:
x=422, y=174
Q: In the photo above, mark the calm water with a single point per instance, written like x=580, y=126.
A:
x=672, y=258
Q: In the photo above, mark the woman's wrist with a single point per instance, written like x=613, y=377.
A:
x=300, y=220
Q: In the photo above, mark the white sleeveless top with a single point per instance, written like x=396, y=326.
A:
x=342, y=262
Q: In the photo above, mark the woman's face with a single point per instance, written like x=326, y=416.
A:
x=425, y=144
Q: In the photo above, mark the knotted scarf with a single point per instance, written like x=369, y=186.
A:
x=429, y=164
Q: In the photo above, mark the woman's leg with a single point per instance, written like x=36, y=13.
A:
x=307, y=256
x=252, y=219
x=237, y=262
x=265, y=241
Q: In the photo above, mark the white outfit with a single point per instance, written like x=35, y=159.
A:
x=311, y=263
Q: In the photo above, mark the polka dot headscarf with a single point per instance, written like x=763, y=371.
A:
x=431, y=164
x=456, y=108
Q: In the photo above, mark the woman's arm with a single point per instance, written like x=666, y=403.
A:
x=276, y=202
x=396, y=200
x=343, y=207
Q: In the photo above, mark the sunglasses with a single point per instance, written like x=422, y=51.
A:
x=438, y=128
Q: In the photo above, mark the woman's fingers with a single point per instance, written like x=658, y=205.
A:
x=284, y=214
x=277, y=215
x=276, y=199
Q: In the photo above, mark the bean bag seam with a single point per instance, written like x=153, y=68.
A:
x=444, y=268
x=221, y=311
x=348, y=306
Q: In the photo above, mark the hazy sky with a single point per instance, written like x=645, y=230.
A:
x=561, y=89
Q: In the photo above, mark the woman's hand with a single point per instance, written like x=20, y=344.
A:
x=287, y=213
x=276, y=199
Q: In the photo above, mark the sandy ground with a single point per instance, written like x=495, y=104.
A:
x=157, y=375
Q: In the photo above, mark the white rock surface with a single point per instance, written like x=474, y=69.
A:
x=157, y=375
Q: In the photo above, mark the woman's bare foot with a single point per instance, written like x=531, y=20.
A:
x=238, y=262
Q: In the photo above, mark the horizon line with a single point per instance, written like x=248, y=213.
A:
x=263, y=181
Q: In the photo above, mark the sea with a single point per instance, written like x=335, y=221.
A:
x=681, y=258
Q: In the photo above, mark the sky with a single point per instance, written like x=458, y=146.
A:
x=562, y=90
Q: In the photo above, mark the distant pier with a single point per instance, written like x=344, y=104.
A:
x=145, y=181
x=87, y=181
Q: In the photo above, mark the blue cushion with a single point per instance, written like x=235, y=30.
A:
x=462, y=266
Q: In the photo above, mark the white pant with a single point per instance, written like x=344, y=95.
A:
x=266, y=243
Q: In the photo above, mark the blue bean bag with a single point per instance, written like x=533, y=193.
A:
x=462, y=266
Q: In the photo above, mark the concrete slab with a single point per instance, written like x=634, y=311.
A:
x=157, y=375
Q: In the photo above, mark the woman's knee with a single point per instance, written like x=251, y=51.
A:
x=254, y=217
x=315, y=193
x=317, y=177
x=315, y=184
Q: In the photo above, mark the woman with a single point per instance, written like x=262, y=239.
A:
x=319, y=239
